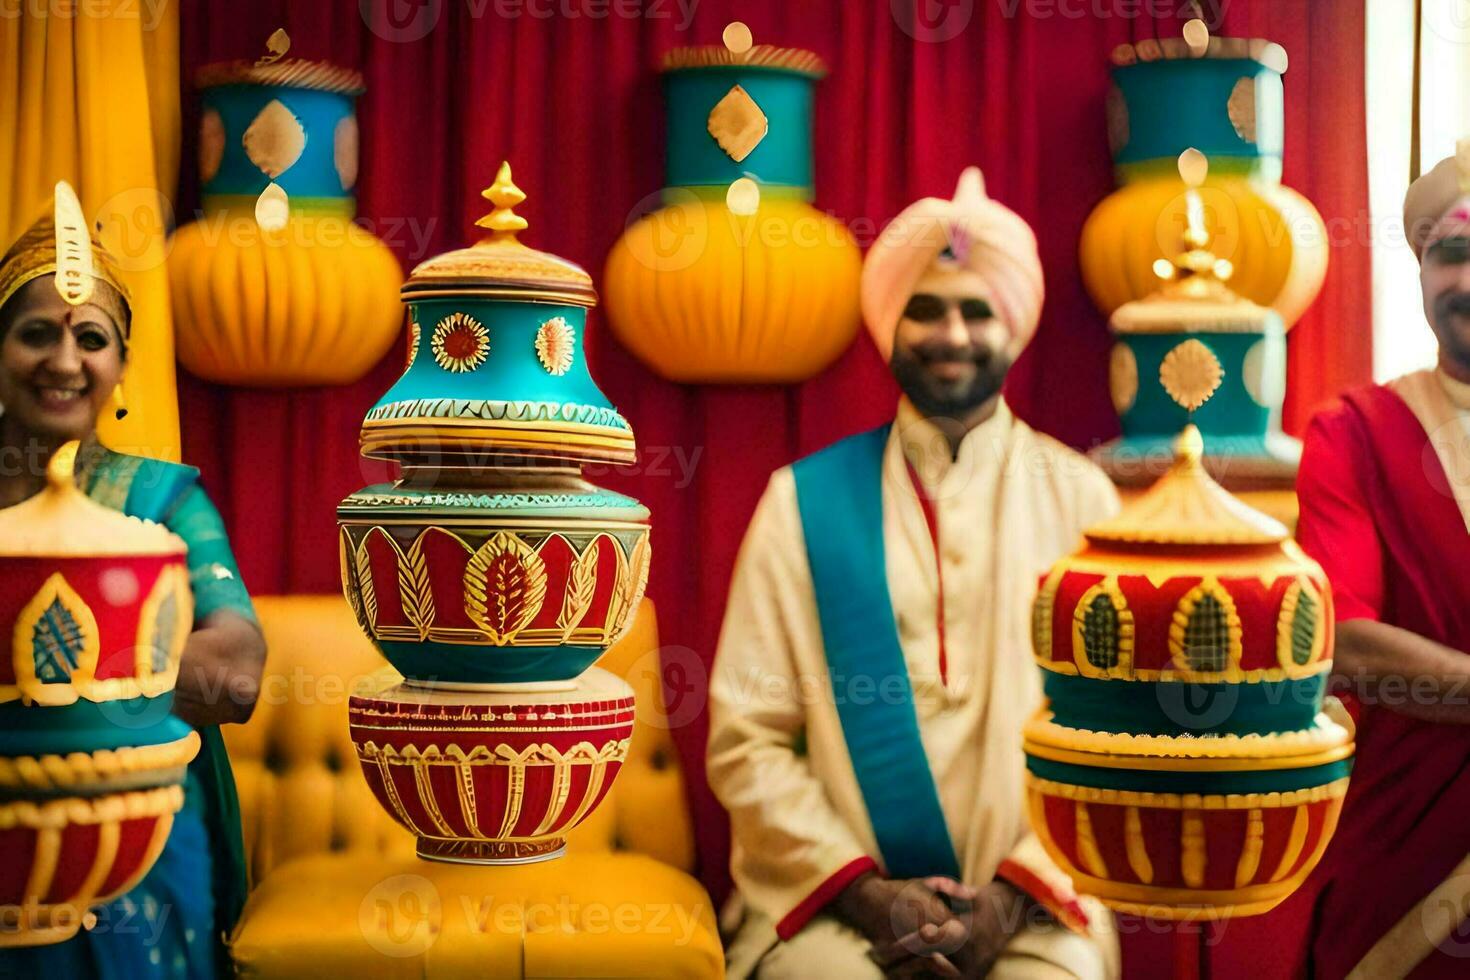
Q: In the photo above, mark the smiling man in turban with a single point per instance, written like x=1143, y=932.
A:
x=1385, y=507
x=874, y=672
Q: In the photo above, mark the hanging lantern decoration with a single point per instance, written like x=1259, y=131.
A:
x=736, y=278
x=1186, y=764
x=492, y=575
x=1192, y=313
x=97, y=608
x=1223, y=96
x=276, y=285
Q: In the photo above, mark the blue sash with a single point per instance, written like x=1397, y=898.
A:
x=839, y=492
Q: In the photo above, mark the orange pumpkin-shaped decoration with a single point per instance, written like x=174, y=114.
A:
x=736, y=278
x=1224, y=97
x=276, y=285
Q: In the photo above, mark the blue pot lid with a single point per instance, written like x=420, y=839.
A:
x=318, y=76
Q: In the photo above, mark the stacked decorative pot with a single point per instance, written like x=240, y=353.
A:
x=98, y=609
x=491, y=575
x=1186, y=764
x=276, y=284
x=1223, y=96
x=736, y=278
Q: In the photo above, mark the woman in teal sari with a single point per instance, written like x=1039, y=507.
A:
x=61, y=363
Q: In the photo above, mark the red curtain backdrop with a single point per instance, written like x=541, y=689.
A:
x=566, y=90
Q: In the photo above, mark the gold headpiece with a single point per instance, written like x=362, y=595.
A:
x=60, y=243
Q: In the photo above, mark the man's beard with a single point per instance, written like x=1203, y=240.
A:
x=1452, y=326
x=938, y=398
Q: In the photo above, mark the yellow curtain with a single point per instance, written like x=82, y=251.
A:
x=89, y=93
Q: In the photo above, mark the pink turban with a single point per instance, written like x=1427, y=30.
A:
x=973, y=232
x=1437, y=205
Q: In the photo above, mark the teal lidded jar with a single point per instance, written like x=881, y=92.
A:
x=497, y=367
x=741, y=116
x=292, y=122
x=492, y=561
x=1229, y=105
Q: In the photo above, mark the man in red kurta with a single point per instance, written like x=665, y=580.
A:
x=1385, y=507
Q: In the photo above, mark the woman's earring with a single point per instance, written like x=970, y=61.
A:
x=119, y=407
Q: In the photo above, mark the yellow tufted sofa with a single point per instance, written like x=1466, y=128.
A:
x=338, y=891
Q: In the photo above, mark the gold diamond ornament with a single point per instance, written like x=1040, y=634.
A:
x=737, y=123
x=1190, y=374
x=274, y=140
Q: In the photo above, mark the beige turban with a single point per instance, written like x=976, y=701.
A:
x=973, y=232
x=1437, y=205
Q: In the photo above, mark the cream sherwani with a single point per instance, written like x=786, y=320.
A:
x=1010, y=504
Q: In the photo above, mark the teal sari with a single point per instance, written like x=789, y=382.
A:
x=174, y=922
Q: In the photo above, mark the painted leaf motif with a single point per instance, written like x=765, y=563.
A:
x=1100, y=632
x=348, y=571
x=414, y=590
x=165, y=626
x=581, y=585
x=56, y=644
x=504, y=586
x=619, y=600
x=367, y=596
x=1207, y=635
x=1304, y=628
x=632, y=583
x=642, y=562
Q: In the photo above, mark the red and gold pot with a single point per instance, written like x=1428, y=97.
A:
x=98, y=609
x=1187, y=763
x=493, y=777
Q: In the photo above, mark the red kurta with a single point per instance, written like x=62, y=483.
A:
x=1377, y=512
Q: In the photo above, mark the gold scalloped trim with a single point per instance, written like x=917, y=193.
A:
x=1256, y=49
x=294, y=72
x=798, y=60
x=89, y=768
x=1325, y=733
x=56, y=814
x=1190, y=801
x=614, y=750
x=1234, y=675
